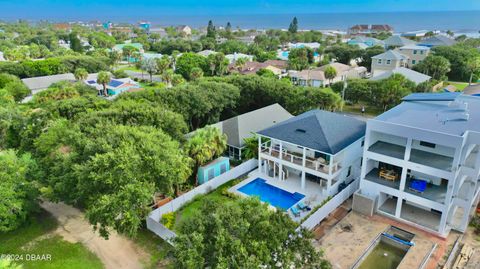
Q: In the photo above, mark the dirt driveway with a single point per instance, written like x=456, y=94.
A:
x=116, y=253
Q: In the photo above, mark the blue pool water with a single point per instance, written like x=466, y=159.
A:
x=271, y=194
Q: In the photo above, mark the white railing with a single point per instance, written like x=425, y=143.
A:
x=153, y=219
x=330, y=206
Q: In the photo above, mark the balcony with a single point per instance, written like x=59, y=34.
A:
x=374, y=176
x=318, y=164
x=431, y=159
x=388, y=149
x=436, y=193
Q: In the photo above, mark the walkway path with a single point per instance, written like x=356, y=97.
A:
x=118, y=252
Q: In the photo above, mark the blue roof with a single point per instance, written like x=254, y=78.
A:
x=320, y=130
x=444, y=96
x=115, y=83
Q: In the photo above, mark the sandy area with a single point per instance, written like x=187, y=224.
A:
x=472, y=240
x=343, y=247
x=116, y=253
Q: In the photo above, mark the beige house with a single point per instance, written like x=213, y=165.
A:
x=388, y=61
x=184, y=29
x=415, y=54
x=316, y=77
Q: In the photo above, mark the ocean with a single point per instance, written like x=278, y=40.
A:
x=464, y=21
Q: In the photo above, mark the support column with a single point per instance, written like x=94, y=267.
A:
x=304, y=156
x=398, y=208
x=280, y=166
x=259, y=152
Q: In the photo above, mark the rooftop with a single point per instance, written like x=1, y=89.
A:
x=390, y=55
x=410, y=74
x=448, y=113
x=320, y=130
x=398, y=41
x=438, y=40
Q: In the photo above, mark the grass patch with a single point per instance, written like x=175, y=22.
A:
x=128, y=68
x=372, y=111
x=459, y=85
x=219, y=195
x=25, y=240
x=151, y=243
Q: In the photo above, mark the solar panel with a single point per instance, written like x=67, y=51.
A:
x=115, y=83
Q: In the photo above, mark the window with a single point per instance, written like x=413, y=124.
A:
x=421, y=52
x=379, y=61
x=414, y=51
x=211, y=173
x=349, y=171
x=388, y=61
x=413, y=61
x=223, y=168
x=427, y=144
x=363, y=143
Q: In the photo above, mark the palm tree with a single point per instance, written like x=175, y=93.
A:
x=80, y=74
x=104, y=78
x=240, y=63
x=149, y=65
x=330, y=73
x=196, y=73
x=167, y=77
x=473, y=65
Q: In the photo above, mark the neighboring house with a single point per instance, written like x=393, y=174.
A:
x=396, y=41
x=365, y=42
x=151, y=55
x=38, y=84
x=473, y=89
x=319, y=146
x=62, y=26
x=363, y=29
x=244, y=126
x=311, y=45
x=278, y=67
x=416, y=54
x=213, y=169
x=206, y=53
x=160, y=31
x=410, y=74
x=116, y=86
x=316, y=77
x=232, y=58
x=144, y=25
x=438, y=40
x=388, y=61
x=184, y=29
x=249, y=39
x=420, y=33
x=421, y=162
x=119, y=47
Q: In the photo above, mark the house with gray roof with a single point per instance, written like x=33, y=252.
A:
x=421, y=162
x=243, y=126
x=396, y=41
x=317, y=145
x=438, y=40
x=410, y=74
x=387, y=61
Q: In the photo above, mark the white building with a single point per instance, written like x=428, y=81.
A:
x=421, y=162
x=317, y=146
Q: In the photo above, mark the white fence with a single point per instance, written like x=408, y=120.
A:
x=330, y=206
x=153, y=219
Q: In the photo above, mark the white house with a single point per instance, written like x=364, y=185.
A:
x=319, y=146
x=316, y=77
x=421, y=162
x=232, y=58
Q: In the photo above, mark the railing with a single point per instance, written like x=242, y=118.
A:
x=294, y=158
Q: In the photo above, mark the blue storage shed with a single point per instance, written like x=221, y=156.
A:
x=213, y=169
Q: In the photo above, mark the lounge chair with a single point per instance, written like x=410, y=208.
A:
x=295, y=212
x=302, y=206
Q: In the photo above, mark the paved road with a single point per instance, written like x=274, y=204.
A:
x=116, y=253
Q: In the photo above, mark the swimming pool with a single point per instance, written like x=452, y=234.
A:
x=271, y=194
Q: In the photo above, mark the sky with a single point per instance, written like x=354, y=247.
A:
x=54, y=9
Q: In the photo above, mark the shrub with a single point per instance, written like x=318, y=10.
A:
x=168, y=220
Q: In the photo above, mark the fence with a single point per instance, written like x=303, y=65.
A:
x=153, y=219
x=330, y=206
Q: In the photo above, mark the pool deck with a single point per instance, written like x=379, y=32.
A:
x=313, y=192
x=344, y=246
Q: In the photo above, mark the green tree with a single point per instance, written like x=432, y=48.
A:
x=149, y=65
x=177, y=79
x=392, y=90
x=188, y=61
x=330, y=73
x=128, y=52
x=435, y=66
x=211, y=32
x=196, y=73
x=81, y=74
x=75, y=43
x=244, y=234
x=114, y=57
x=104, y=78
x=17, y=89
x=344, y=53
x=167, y=77
x=163, y=63
x=217, y=64
x=17, y=189
x=473, y=65
x=293, y=27
x=299, y=59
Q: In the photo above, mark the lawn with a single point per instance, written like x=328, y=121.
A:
x=372, y=111
x=155, y=246
x=128, y=67
x=33, y=238
x=459, y=85
x=218, y=195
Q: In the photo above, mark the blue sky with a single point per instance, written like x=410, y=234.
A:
x=48, y=9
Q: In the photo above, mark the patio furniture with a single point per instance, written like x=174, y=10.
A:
x=302, y=206
x=295, y=212
x=388, y=175
x=417, y=185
